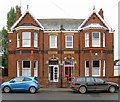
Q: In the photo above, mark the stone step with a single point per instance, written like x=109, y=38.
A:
x=53, y=84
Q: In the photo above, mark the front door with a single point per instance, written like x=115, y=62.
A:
x=68, y=72
x=53, y=73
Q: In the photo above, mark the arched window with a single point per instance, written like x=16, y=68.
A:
x=69, y=62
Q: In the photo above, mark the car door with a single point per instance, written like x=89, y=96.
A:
x=90, y=83
x=17, y=83
x=27, y=82
x=100, y=84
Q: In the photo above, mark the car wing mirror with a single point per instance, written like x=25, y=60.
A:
x=12, y=81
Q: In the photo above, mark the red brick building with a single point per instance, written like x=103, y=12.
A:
x=57, y=50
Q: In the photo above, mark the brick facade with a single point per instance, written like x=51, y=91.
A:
x=43, y=53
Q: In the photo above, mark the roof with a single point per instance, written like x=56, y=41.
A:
x=94, y=11
x=54, y=24
x=27, y=11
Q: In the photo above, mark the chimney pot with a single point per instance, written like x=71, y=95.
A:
x=101, y=13
x=18, y=13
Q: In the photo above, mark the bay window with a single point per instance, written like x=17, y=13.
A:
x=86, y=68
x=87, y=39
x=95, y=39
x=18, y=39
x=18, y=74
x=26, y=69
x=104, y=68
x=96, y=68
x=35, y=39
x=53, y=41
x=69, y=41
x=103, y=39
x=26, y=39
x=35, y=68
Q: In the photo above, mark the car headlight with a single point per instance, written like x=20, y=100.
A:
x=2, y=83
x=117, y=84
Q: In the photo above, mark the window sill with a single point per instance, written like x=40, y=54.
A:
x=27, y=48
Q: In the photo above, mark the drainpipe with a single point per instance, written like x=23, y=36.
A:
x=43, y=55
x=79, y=52
x=61, y=28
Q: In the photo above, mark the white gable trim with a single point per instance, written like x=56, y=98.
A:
x=27, y=11
x=94, y=11
x=27, y=27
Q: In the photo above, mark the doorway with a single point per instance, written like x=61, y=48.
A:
x=53, y=71
x=69, y=69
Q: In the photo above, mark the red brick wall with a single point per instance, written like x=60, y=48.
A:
x=12, y=58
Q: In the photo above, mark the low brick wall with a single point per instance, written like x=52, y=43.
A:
x=44, y=81
x=113, y=79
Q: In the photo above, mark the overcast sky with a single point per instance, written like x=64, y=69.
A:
x=78, y=9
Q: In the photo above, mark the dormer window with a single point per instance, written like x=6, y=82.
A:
x=26, y=39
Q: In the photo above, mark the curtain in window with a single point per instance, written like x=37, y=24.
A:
x=87, y=39
x=69, y=41
x=35, y=39
x=103, y=39
x=86, y=68
x=26, y=39
x=18, y=39
x=96, y=39
x=53, y=41
x=35, y=68
x=26, y=70
x=96, y=68
x=18, y=74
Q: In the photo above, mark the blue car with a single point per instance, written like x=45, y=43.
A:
x=22, y=83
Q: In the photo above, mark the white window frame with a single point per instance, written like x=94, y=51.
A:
x=18, y=68
x=99, y=68
x=18, y=39
x=26, y=68
x=86, y=68
x=86, y=39
x=35, y=40
x=26, y=39
x=54, y=42
x=36, y=73
x=103, y=39
x=103, y=67
x=99, y=40
x=68, y=41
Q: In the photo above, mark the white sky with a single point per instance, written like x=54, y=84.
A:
x=79, y=9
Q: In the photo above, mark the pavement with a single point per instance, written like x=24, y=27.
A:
x=56, y=89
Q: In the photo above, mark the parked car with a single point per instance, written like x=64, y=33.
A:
x=84, y=84
x=22, y=83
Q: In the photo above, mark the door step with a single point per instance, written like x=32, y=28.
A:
x=53, y=84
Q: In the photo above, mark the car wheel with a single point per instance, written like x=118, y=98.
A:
x=82, y=89
x=112, y=89
x=32, y=89
x=6, y=89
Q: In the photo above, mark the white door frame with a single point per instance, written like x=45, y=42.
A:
x=53, y=73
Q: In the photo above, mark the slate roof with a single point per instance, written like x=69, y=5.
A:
x=54, y=24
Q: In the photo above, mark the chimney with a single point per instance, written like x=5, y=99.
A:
x=101, y=13
x=18, y=13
